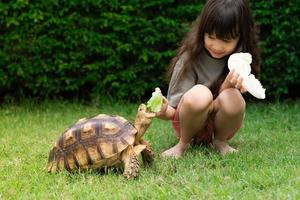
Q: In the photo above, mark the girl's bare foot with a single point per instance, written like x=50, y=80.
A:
x=176, y=151
x=223, y=147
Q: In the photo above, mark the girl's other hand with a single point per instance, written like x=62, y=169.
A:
x=164, y=107
x=234, y=80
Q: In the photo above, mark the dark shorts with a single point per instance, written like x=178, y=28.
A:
x=204, y=136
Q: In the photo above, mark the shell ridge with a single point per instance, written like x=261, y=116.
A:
x=124, y=128
x=89, y=159
x=75, y=160
x=61, y=143
x=57, y=164
x=99, y=150
x=123, y=141
x=77, y=133
x=97, y=127
x=115, y=148
x=66, y=163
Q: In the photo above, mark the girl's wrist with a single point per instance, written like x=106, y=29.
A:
x=166, y=113
x=163, y=111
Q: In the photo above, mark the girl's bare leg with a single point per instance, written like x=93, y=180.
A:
x=195, y=106
x=230, y=108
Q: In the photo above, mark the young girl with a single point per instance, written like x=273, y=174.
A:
x=204, y=99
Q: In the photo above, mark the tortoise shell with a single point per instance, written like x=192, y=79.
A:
x=92, y=143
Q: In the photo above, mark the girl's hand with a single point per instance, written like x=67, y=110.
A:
x=234, y=80
x=164, y=107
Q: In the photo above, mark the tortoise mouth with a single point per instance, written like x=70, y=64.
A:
x=143, y=108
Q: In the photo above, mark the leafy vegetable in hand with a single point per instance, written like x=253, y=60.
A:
x=254, y=87
x=154, y=104
x=241, y=63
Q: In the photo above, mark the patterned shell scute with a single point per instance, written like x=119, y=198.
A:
x=93, y=142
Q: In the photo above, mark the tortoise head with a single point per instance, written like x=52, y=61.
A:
x=143, y=120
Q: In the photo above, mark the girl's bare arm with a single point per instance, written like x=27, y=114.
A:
x=167, y=112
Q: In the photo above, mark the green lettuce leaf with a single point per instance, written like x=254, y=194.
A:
x=154, y=104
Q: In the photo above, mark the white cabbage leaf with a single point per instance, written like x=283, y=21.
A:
x=254, y=87
x=241, y=63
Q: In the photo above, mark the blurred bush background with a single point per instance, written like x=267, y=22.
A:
x=121, y=48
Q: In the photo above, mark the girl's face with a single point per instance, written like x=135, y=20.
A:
x=218, y=48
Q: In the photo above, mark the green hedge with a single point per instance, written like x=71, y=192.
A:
x=279, y=24
x=122, y=48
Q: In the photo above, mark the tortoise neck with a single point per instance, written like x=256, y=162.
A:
x=141, y=124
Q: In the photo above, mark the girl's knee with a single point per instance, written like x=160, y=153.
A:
x=198, y=98
x=231, y=102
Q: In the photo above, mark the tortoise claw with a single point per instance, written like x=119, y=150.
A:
x=147, y=154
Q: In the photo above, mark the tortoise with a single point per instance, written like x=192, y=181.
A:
x=104, y=141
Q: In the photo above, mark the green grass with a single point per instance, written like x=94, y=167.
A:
x=267, y=166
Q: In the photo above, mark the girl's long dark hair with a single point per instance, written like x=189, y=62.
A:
x=227, y=19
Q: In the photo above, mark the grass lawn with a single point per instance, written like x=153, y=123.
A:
x=267, y=166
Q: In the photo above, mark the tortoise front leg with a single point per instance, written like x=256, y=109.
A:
x=147, y=154
x=131, y=163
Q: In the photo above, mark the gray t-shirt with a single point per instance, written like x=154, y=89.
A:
x=206, y=70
